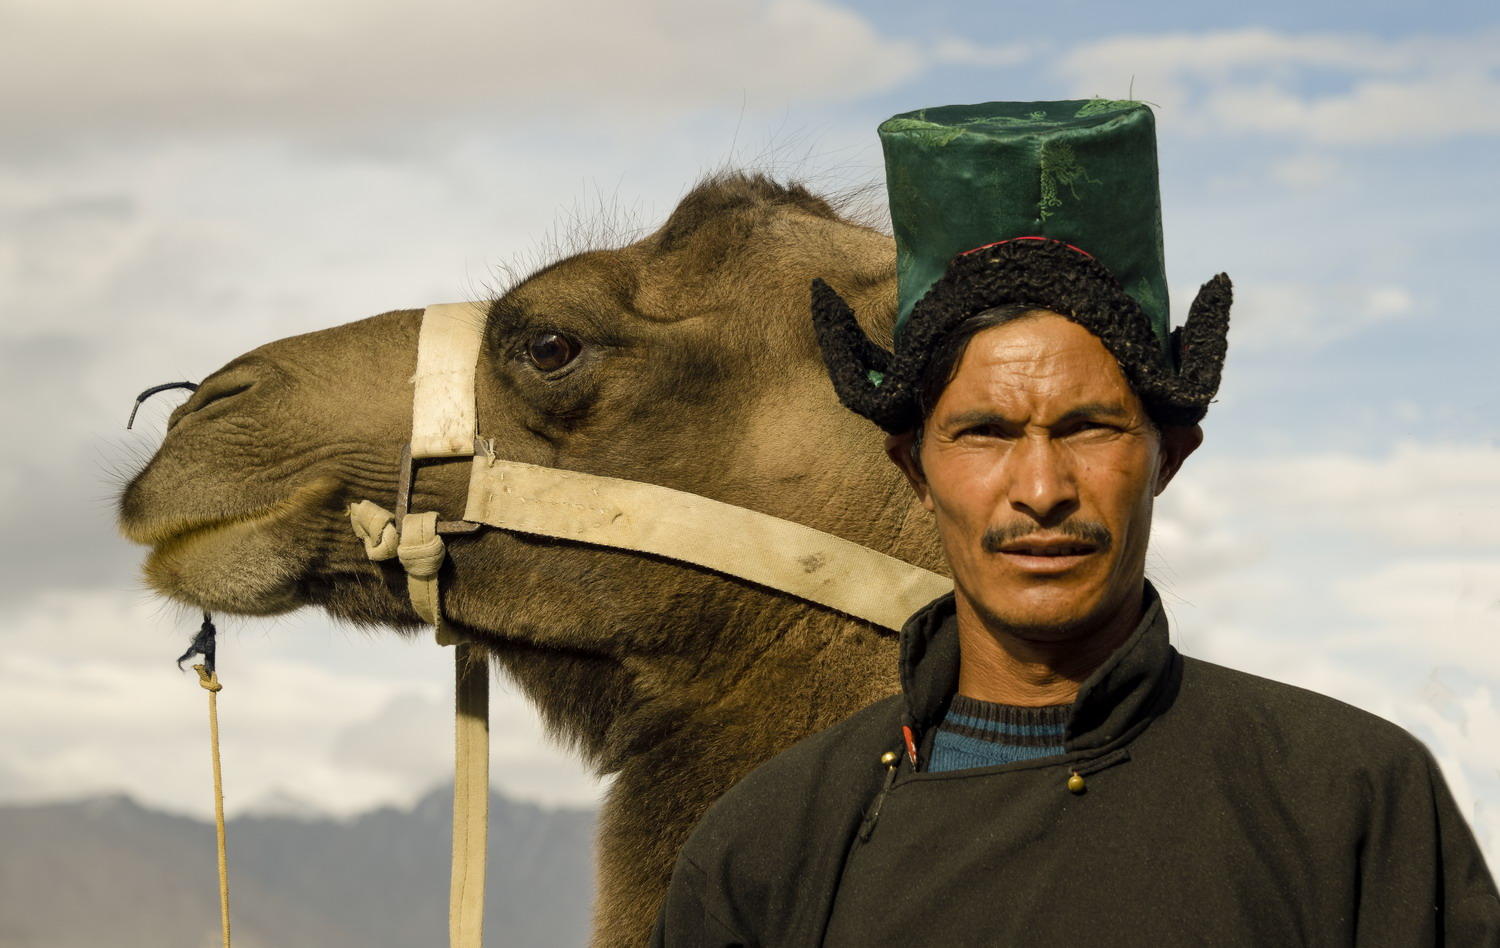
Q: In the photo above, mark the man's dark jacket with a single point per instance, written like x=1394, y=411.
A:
x=1218, y=808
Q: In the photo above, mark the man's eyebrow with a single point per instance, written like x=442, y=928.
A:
x=1094, y=410
x=977, y=416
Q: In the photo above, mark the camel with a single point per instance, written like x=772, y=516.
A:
x=686, y=358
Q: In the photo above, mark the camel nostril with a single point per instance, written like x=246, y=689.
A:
x=221, y=395
x=211, y=391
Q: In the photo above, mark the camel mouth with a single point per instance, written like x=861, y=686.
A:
x=160, y=536
x=249, y=564
x=163, y=533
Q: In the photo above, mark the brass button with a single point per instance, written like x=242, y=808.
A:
x=1075, y=783
x=889, y=758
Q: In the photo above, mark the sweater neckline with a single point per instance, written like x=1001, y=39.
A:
x=1121, y=694
x=1007, y=716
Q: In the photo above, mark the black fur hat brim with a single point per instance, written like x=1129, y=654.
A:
x=1176, y=384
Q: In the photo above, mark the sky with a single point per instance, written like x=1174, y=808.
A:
x=181, y=182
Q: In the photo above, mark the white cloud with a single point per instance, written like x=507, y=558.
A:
x=1251, y=80
x=1221, y=52
x=959, y=51
x=1270, y=316
x=1445, y=609
x=391, y=63
x=1368, y=579
x=1386, y=670
x=1419, y=497
x=1393, y=557
x=1375, y=111
x=1462, y=727
x=1307, y=170
x=1385, y=302
x=90, y=703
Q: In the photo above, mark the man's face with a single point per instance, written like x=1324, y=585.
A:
x=1041, y=466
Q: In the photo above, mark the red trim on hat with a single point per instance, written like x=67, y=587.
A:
x=1048, y=239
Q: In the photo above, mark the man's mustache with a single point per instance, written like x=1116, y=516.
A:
x=1086, y=531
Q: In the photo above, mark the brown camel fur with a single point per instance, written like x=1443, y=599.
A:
x=696, y=368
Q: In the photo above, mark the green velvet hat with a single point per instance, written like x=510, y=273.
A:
x=1079, y=171
x=1049, y=204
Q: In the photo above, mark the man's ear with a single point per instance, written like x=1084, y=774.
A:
x=1177, y=442
x=902, y=450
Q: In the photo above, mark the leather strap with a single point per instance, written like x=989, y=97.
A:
x=648, y=518
x=471, y=795
x=443, y=425
x=443, y=422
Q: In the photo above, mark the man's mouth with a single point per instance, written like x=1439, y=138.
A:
x=1038, y=546
x=1047, y=554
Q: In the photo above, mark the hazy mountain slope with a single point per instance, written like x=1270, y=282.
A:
x=109, y=872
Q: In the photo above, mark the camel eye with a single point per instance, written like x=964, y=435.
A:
x=550, y=351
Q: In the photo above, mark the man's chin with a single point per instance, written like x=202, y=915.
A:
x=1047, y=617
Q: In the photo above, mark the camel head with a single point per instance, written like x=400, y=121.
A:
x=685, y=359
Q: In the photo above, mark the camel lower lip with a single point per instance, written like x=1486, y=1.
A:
x=245, y=564
x=205, y=528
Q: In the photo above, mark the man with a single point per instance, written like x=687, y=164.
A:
x=1054, y=772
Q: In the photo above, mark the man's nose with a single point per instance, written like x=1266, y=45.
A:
x=1041, y=481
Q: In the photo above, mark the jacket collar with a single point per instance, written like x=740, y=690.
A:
x=1132, y=685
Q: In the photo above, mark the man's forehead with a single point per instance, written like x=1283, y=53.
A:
x=1042, y=355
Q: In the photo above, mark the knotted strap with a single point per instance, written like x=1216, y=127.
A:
x=376, y=526
x=418, y=547
x=421, y=552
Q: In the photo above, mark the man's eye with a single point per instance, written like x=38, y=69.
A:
x=550, y=351
x=1091, y=427
x=982, y=431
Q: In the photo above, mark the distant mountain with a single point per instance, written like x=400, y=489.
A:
x=110, y=872
x=280, y=803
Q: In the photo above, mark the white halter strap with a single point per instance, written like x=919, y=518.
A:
x=630, y=515
x=779, y=554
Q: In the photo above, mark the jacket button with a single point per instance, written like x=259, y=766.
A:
x=889, y=758
x=1075, y=783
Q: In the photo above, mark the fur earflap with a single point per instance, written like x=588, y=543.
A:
x=860, y=369
x=1176, y=383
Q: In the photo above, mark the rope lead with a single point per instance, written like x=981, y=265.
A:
x=208, y=679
